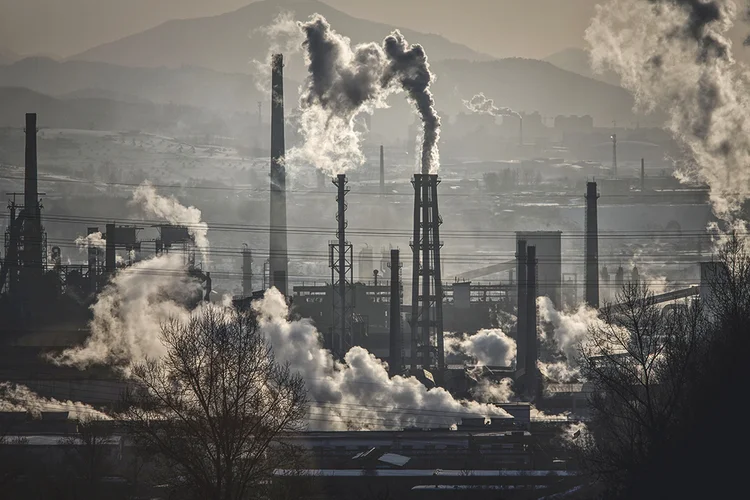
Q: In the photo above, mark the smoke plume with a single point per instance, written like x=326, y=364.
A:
x=487, y=346
x=344, y=82
x=284, y=37
x=358, y=392
x=93, y=240
x=169, y=208
x=129, y=312
x=409, y=67
x=675, y=55
x=19, y=398
x=488, y=391
x=482, y=105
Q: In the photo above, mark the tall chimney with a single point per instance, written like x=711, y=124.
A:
x=277, y=254
x=395, y=361
x=382, y=171
x=643, y=175
x=520, y=130
x=591, y=247
x=521, y=307
x=32, y=233
x=110, y=258
x=247, y=272
x=532, y=381
x=614, y=156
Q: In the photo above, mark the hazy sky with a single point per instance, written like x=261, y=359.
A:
x=527, y=28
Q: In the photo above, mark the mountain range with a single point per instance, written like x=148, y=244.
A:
x=228, y=42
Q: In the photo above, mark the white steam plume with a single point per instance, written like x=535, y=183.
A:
x=283, y=36
x=357, y=393
x=93, y=240
x=173, y=211
x=675, y=55
x=488, y=391
x=129, y=312
x=487, y=346
x=19, y=398
x=482, y=105
x=344, y=82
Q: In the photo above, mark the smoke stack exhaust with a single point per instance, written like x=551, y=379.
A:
x=278, y=255
x=520, y=131
x=247, y=272
x=32, y=233
x=591, y=244
x=382, y=171
x=395, y=362
x=110, y=256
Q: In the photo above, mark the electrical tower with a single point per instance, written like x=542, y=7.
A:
x=427, y=350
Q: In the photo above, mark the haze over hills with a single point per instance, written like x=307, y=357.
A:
x=523, y=84
x=228, y=42
x=577, y=60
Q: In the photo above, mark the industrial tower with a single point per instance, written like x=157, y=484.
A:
x=341, y=260
x=591, y=247
x=427, y=350
x=277, y=255
x=395, y=361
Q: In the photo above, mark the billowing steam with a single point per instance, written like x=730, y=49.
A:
x=482, y=105
x=127, y=315
x=357, y=393
x=19, y=398
x=488, y=347
x=675, y=55
x=344, y=82
x=170, y=209
x=488, y=391
x=93, y=240
x=283, y=36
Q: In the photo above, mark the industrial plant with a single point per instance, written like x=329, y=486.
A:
x=431, y=303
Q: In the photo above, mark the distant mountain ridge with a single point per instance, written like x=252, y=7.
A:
x=228, y=42
x=577, y=61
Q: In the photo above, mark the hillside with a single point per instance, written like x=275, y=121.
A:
x=525, y=84
x=577, y=61
x=228, y=42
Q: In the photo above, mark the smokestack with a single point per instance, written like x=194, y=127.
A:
x=341, y=233
x=520, y=130
x=614, y=156
x=591, y=250
x=93, y=260
x=395, y=361
x=521, y=304
x=532, y=382
x=342, y=277
x=278, y=271
x=382, y=171
x=32, y=234
x=643, y=175
x=109, y=251
x=247, y=272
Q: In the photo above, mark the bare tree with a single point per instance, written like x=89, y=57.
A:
x=638, y=359
x=215, y=406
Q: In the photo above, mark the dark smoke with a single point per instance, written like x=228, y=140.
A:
x=408, y=65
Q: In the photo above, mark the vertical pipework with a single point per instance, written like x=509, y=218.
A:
x=415, y=328
x=521, y=306
x=109, y=250
x=531, y=313
x=394, y=363
x=278, y=270
x=591, y=275
x=520, y=131
x=341, y=217
x=435, y=221
x=643, y=175
x=382, y=171
x=32, y=233
x=426, y=268
x=93, y=260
